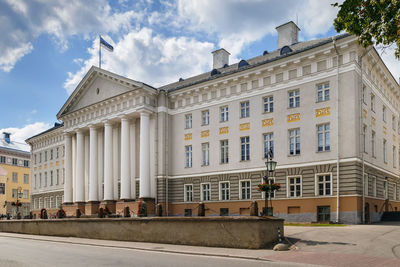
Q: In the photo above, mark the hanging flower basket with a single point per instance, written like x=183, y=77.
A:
x=265, y=187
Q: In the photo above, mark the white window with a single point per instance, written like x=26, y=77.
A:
x=14, y=193
x=205, y=117
x=384, y=113
x=58, y=177
x=323, y=92
x=188, y=154
x=364, y=138
x=395, y=191
x=205, y=150
x=224, y=191
x=45, y=156
x=205, y=192
x=35, y=159
x=374, y=186
x=51, y=178
x=51, y=154
x=323, y=184
x=40, y=180
x=26, y=178
x=188, y=193
x=268, y=144
x=45, y=179
x=34, y=182
x=224, y=113
x=363, y=93
x=386, y=189
x=384, y=151
x=394, y=123
x=294, y=98
x=245, y=148
x=394, y=156
x=15, y=177
x=15, y=161
x=373, y=144
x=244, y=109
x=269, y=104
x=245, y=189
x=324, y=141
x=188, y=121
x=372, y=102
x=40, y=203
x=52, y=204
x=366, y=185
x=224, y=151
x=294, y=188
x=57, y=149
x=294, y=142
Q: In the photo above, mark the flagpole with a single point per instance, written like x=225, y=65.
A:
x=99, y=52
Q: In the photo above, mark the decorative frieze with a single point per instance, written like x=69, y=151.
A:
x=321, y=112
x=205, y=133
x=365, y=113
x=188, y=136
x=244, y=126
x=224, y=130
x=373, y=121
x=293, y=117
x=267, y=122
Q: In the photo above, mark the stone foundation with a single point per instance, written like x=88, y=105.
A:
x=92, y=208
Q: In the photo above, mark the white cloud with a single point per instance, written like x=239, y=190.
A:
x=21, y=22
x=150, y=58
x=21, y=134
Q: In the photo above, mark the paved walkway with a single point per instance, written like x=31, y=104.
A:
x=356, y=245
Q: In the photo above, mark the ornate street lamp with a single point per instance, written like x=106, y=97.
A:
x=19, y=195
x=271, y=165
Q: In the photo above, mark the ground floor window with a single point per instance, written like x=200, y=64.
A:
x=323, y=213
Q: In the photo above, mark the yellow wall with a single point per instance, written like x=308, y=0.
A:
x=10, y=185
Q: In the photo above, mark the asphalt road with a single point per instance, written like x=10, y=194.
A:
x=27, y=252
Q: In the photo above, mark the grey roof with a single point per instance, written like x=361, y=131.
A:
x=253, y=62
x=56, y=126
x=14, y=146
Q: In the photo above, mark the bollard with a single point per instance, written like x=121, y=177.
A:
x=101, y=213
x=78, y=213
x=126, y=212
x=254, y=209
x=279, y=235
x=159, y=210
x=202, y=210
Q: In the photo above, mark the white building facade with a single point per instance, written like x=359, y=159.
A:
x=328, y=109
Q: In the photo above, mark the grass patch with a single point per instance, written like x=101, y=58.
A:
x=314, y=224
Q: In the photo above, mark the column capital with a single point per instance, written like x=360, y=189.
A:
x=93, y=127
x=107, y=123
x=67, y=135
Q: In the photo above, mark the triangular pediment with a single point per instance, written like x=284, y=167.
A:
x=97, y=86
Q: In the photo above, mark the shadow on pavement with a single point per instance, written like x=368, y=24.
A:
x=297, y=241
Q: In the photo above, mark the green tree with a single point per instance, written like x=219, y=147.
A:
x=373, y=21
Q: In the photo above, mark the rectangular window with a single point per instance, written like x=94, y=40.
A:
x=244, y=109
x=363, y=93
x=57, y=149
x=34, y=181
x=268, y=144
x=224, y=113
x=386, y=189
x=14, y=161
x=394, y=156
x=366, y=186
x=2, y=188
x=45, y=156
x=294, y=98
x=364, y=138
x=294, y=142
x=205, y=117
x=188, y=192
x=2, y=159
x=372, y=102
x=45, y=179
x=245, y=189
x=26, y=163
x=40, y=180
x=188, y=153
x=394, y=123
x=374, y=186
x=323, y=92
x=269, y=104
x=40, y=157
x=51, y=154
x=294, y=187
x=384, y=151
x=206, y=192
x=245, y=148
x=324, y=184
x=15, y=177
x=323, y=134
x=26, y=194
x=51, y=178
x=58, y=177
x=188, y=121
x=224, y=151
x=224, y=191
x=26, y=178
x=35, y=158
x=384, y=113
x=373, y=144
x=205, y=151
x=14, y=193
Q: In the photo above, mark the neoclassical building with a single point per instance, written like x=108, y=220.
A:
x=327, y=108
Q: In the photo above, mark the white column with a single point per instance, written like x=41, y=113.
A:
x=133, y=158
x=87, y=166
x=68, y=169
x=80, y=167
x=144, y=186
x=100, y=165
x=125, y=160
x=108, y=161
x=116, y=163
x=93, y=187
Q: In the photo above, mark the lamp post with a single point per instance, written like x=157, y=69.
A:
x=271, y=165
x=19, y=195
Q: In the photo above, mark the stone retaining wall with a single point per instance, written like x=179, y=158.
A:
x=233, y=232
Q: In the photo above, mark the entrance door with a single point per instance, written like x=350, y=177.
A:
x=324, y=213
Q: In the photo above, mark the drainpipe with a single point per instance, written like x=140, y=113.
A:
x=337, y=135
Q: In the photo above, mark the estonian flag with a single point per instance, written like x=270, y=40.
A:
x=106, y=45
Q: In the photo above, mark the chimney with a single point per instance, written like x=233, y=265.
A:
x=7, y=137
x=287, y=34
x=220, y=58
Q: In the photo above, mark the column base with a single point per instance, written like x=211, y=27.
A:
x=108, y=204
x=92, y=208
x=69, y=209
x=151, y=205
x=123, y=203
x=80, y=206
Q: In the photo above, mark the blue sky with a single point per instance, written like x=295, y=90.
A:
x=47, y=46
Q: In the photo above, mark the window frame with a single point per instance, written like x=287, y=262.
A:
x=224, y=113
x=325, y=146
x=324, y=174
x=373, y=143
x=185, y=192
x=295, y=97
x=372, y=102
x=323, y=91
x=220, y=190
x=295, y=142
x=188, y=121
x=288, y=186
x=224, y=151
x=244, y=109
x=268, y=104
x=205, y=117
x=384, y=148
x=241, y=188
x=270, y=141
x=188, y=156
x=205, y=157
x=202, y=191
x=245, y=148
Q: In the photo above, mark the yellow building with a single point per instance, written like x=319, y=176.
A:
x=14, y=177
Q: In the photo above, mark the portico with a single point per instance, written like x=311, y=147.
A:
x=107, y=144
